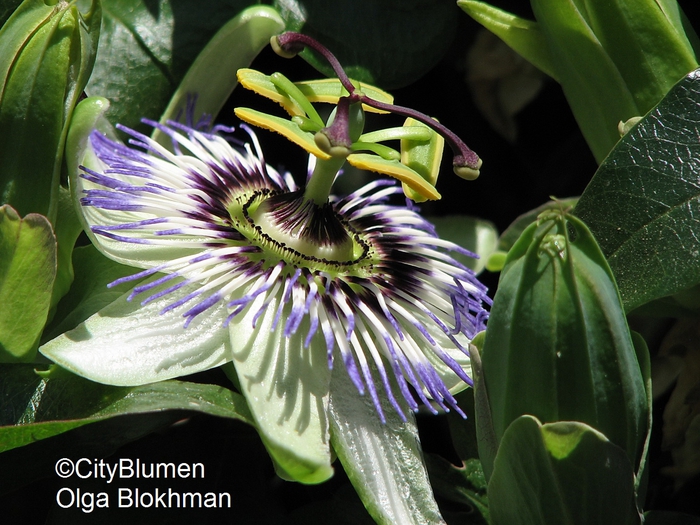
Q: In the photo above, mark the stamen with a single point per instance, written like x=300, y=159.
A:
x=466, y=163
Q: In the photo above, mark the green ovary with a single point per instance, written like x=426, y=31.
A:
x=253, y=217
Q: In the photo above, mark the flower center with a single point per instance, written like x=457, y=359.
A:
x=299, y=229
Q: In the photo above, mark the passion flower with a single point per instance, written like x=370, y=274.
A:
x=242, y=267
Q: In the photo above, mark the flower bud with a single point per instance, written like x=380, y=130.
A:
x=48, y=53
x=558, y=346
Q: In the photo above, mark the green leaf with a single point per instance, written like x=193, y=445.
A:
x=382, y=460
x=146, y=49
x=37, y=460
x=642, y=204
x=36, y=408
x=388, y=43
x=476, y=235
x=522, y=35
x=212, y=76
x=592, y=83
x=644, y=360
x=22, y=25
x=641, y=36
x=68, y=228
x=27, y=273
x=48, y=52
x=563, y=473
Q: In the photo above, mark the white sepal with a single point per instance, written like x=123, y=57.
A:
x=383, y=460
x=128, y=344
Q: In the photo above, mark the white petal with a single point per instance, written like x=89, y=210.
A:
x=129, y=253
x=129, y=344
x=452, y=381
x=286, y=386
x=383, y=461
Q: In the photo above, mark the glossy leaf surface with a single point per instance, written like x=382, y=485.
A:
x=643, y=203
x=563, y=473
x=37, y=408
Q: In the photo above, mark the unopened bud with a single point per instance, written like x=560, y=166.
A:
x=558, y=346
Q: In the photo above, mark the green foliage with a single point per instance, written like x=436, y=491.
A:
x=563, y=394
x=89, y=292
x=525, y=36
x=47, y=57
x=642, y=204
x=27, y=273
x=615, y=60
x=563, y=473
x=212, y=75
x=146, y=49
x=37, y=408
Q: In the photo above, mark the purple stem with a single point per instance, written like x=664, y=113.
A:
x=291, y=41
x=339, y=131
x=463, y=156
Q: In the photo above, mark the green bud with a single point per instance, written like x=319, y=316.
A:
x=48, y=53
x=557, y=345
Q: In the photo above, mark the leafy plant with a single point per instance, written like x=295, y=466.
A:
x=558, y=426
